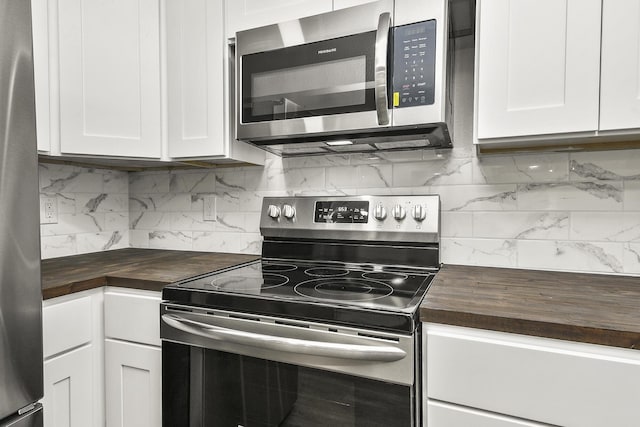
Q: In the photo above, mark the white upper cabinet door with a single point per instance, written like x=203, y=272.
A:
x=195, y=78
x=538, y=67
x=620, y=91
x=341, y=4
x=110, y=77
x=245, y=14
x=40, y=31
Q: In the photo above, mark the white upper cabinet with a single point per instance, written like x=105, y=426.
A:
x=341, y=4
x=40, y=27
x=538, y=67
x=109, y=62
x=195, y=77
x=245, y=14
x=620, y=95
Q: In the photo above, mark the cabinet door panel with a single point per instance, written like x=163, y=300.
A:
x=133, y=385
x=620, y=94
x=538, y=67
x=110, y=77
x=40, y=29
x=245, y=14
x=444, y=415
x=547, y=381
x=195, y=77
x=68, y=397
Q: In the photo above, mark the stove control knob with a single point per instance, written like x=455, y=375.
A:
x=288, y=211
x=419, y=213
x=398, y=212
x=379, y=213
x=273, y=211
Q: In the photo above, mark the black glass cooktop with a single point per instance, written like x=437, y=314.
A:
x=366, y=295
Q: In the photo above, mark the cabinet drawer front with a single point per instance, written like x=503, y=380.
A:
x=66, y=325
x=444, y=415
x=549, y=381
x=132, y=317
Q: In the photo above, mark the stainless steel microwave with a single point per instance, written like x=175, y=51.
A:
x=365, y=78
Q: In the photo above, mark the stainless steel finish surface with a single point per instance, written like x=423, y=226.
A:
x=382, y=47
x=387, y=229
x=382, y=130
x=376, y=355
x=308, y=346
x=32, y=418
x=311, y=29
x=21, y=378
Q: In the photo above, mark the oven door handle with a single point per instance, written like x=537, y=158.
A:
x=380, y=64
x=377, y=353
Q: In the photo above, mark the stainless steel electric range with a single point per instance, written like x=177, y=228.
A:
x=322, y=331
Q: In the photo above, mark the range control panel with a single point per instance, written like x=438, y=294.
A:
x=414, y=64
x=393, y=218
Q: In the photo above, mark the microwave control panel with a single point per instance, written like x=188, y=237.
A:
x=414, y=64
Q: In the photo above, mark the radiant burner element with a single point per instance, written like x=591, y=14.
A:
x=278, y=267
x=248, y=283
x=346, y=289
x=326, y=272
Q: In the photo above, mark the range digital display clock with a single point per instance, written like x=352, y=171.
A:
x=344, y=212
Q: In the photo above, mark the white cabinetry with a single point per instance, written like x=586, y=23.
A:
x=543, y=380
x=620, y=93
x=245, y=14
x=133, y=384
x=73, y=349
x=110, y=77
x=341, y=4
x=40, y=31
x=197, y=58
x=133, y=358
x=538, y=67
x=557, y=71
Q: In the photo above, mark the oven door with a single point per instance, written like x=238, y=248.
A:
x=231, y=369
x=322, y=74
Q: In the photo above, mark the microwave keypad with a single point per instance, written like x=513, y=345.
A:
x=414, y=64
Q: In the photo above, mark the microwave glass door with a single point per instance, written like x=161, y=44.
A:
x=316, y=79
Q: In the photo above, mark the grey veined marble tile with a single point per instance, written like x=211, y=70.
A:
x=586, y=196
x=617, y=165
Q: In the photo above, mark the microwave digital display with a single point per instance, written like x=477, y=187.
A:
x=345, y=212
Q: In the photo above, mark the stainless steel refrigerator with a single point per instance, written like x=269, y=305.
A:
x=21, y=377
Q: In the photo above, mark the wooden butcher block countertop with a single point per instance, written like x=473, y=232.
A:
x=149, y=269
x=589, y=308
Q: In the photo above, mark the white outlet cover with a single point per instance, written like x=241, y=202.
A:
x=48, y=210
x=209, y=208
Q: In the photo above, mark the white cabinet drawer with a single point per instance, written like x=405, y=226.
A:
x=132, y=316
x=66, y=325
x=444, y=415
x=550, y=381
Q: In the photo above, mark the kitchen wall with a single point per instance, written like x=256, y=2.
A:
x=558, y=211
x=93, y=210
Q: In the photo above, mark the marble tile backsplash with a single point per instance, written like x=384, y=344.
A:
x=575, y=212
x=93, y=210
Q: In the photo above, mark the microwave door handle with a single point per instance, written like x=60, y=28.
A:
x=379, y=353
x=380, y=63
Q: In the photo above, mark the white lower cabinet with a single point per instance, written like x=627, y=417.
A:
x=73, y=360
x=447, y=415
x=526, y=378
x=133, y=384
x=68, y=386
x=133, y=358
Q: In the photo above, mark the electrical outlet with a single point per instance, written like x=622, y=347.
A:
x=209, y=212
x=49, y=210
